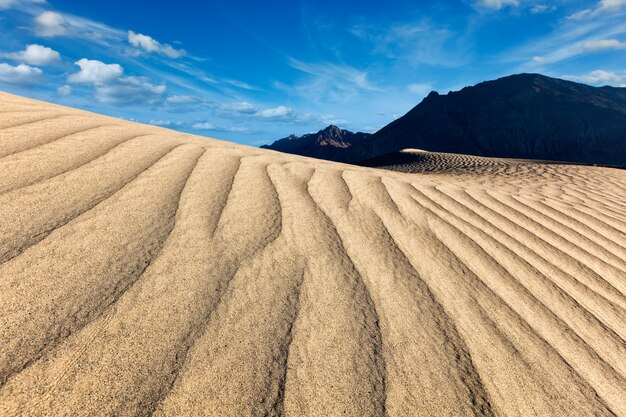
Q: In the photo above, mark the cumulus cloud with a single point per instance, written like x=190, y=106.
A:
x=601, y=77
x=64, y=90
x=35, y=55
x=244, y=108
x=603, y=7
x=112, y=87
x=496, y=4
x=130, y=90
x=151, y=45
x=49, y=24
x=23, y=75
x=93, y=71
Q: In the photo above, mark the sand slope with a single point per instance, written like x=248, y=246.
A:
x=145, y=271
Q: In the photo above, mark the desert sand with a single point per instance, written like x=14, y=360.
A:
x=150, y=272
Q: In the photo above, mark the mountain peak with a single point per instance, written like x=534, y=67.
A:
x=327, y=143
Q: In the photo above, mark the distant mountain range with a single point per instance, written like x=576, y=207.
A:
x=331, y=143
x=528, y=116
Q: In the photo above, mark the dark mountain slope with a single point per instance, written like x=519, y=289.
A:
x=526, y=116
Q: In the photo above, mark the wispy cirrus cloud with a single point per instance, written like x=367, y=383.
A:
x=7, y=4
x=328, y=82
x=151, y=45
x=495, y=4
x=417, y=42
x=573, y=39
x=603, y=7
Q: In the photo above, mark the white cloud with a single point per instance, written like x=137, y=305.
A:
x=604, y=6
x=540, y=8
x=236, y=129
x=278, y=113
x=151, y=45
x=35, y=55
x=346, y=77
x=496, y=4
x=50, y=24
x=164, y=123
x=112, y=87
x=93, y=71
x=6, y=4
x=64, y=90
x=129, y=90
x=242, y=107
x=203, y=126
x=601, y=77
x=274, y=113
x=182, y=99
x=579, y=48
x=603, y=44
x=21, y=74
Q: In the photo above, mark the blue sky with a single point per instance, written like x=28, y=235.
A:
x=253, y=72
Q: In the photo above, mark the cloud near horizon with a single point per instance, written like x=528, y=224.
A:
x=22, y=75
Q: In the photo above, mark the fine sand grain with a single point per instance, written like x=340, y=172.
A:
x=150, y=272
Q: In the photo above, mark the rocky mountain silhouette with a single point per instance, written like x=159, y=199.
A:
x=527, y=116
x=331, y=143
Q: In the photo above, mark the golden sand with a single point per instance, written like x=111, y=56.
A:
x=145, y=271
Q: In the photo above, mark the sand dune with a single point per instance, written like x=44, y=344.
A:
x=145, y=271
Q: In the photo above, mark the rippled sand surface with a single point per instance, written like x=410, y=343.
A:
x=145, y=271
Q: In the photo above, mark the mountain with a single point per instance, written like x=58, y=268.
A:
x=527, y=116
x=331, y=143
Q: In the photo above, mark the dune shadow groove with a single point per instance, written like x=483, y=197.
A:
x=43, y=179
x=543, y=337
x=116, y=292
x=55, y=139
x=582, y=383
x=369, y=309
x=43, y=233
x=572, y=223
x=565, y=259
x=509, y=237
x=57, y=116
x=230, y=267
x=469, y=376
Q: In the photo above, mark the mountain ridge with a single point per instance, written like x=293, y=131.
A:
x=329, y=143
x=523, y=116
